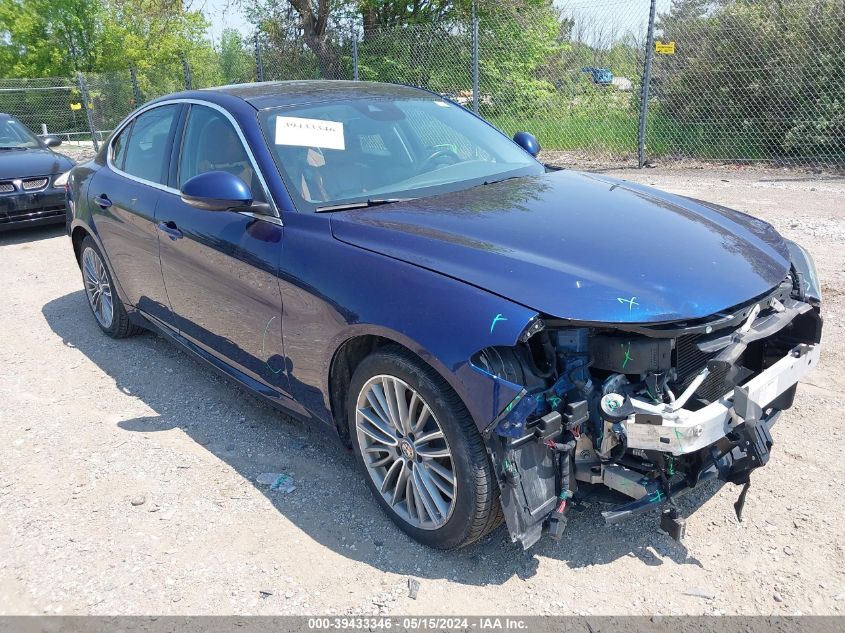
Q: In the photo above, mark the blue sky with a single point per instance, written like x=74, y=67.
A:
x=222, y=14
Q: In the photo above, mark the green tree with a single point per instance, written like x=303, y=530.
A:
x=50, y=37
x=236, y=62
x=40, y=38
x=755, y=78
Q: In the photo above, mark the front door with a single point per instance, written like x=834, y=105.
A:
x=220, y=267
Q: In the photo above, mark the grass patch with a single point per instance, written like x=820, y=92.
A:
x=611, y=131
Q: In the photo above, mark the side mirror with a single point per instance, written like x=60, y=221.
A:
x=50, y=140
x=528, y=142
x=216, y=191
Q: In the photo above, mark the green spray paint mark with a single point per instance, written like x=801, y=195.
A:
x=496, y=319
x=631, y=302
x=627, y=354
x=678, y=437
x=554, y=401
x=657, y=495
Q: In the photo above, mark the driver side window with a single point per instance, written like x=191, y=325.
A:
x=210, y=143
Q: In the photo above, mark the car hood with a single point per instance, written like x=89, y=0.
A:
x=581, y=246
x=32, y=162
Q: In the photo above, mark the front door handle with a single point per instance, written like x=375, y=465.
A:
x=170, y=229
x=102, y=201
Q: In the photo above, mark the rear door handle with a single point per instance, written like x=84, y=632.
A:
x=170, y=229
x=102, y=201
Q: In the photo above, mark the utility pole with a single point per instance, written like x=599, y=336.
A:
x=649, y=58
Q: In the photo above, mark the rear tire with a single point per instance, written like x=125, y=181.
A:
x=108, y=310
x=409, y=455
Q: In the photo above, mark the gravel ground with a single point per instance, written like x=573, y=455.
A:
x=127, y=482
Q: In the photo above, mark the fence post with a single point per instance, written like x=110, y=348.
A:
x=86, y=103
x=354, y=56
x=136, y=90
x=186, y=69
x=646, y=81
x=475, y=96
x=259, y=64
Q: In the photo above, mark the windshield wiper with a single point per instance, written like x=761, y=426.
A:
x=11, y=147
x=493, y=182
x=360, y=204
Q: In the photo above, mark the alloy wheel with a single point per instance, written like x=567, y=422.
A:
x=97, y=287
x=405, y=452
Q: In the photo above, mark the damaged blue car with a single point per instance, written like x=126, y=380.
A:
x=496, y=339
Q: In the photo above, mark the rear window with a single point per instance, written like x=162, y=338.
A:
x=147, y=149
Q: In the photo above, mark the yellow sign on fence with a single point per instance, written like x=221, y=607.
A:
x=75, y=106
x=664, y=49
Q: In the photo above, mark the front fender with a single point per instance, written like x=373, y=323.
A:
x=463, y=321
x=332, y=292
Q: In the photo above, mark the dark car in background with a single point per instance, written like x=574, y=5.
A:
x=29, y=169
x=490, y=335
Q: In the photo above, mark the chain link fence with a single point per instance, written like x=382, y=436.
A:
x=614, y=81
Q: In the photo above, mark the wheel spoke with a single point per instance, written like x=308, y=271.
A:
x=401, y=407
x=392, y=474
x=384, y=461
x=379, y=406
x=422, y=440
x=383, y=397
x=431, y=453
x=433, y=490
x=401, y=487
x=444, y=486
x=375, y=428
x=415, y=508
x=421, y=489
x=90, y=274
x=419, y=505
x=425, y=414
x=106, y=306
x=392, y=409
x=441, y=471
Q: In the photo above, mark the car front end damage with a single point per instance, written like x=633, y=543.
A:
x=647, y=410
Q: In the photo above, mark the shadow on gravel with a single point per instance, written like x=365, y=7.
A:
x=33, y=234
x=332, y=504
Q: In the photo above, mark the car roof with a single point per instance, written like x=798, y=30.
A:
x=270, y=94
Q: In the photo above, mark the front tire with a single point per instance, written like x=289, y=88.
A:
x=106, y=306
x=424, y=460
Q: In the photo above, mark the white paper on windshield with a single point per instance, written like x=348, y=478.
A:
x=291, y=130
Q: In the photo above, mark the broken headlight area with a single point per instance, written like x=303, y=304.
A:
x=649, y=411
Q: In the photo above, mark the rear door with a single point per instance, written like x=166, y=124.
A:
x=123, y=197
x=220, y=267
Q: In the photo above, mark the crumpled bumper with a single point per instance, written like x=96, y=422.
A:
x=684, y=431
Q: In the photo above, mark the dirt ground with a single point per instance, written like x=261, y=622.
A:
x=128, y=477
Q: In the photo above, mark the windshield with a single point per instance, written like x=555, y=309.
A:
x=381, y=149
x=13, y=135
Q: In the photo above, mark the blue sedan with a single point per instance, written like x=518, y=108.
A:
x=496, y=339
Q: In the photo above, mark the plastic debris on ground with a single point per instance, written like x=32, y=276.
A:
x=277, y=481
